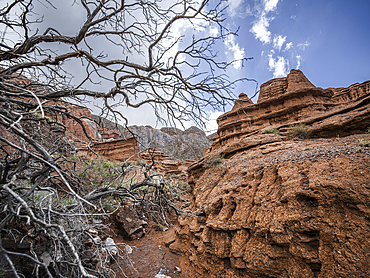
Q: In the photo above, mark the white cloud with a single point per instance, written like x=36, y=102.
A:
x=238, y=52
x=303, y=45
x=288, y=46
x=298, y=61
x=279, y=41
x=279, y=66
x=211, y=124
x=233, y=6
x=261, y=24
x=260, y=31
x=270, y=5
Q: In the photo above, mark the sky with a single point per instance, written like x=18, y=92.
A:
x=328, y=40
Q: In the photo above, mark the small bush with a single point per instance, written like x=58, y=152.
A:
x=95, y=173
x=214, y=161
x=271, y=130
x=299, y=130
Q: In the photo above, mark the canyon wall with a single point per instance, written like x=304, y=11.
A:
x=267, y=207
x=74, y=130
x=290, y=100
x=267, y=204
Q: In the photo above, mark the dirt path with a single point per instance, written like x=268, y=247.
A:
x=148, y=257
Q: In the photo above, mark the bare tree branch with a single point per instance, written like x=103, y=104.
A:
x=121, y=55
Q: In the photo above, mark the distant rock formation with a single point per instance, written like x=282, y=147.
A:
x=178, y=144
x=118, y=150
x=173, y=148
x=290, y=100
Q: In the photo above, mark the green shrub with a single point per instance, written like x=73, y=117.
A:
x=299, y=130
x=97, y=173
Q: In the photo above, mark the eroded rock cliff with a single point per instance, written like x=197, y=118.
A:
x=290, y=100
x=269, y=205
x=275, y=208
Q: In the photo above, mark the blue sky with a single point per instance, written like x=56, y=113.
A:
x=329, y=40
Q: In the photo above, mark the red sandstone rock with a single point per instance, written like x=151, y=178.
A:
x=74, y=129
x=275, y=208
x=163, y=163
x=119, y=150
x=291, y=100
x=129, y=223
x=243, y=101
x=353, y=92
x=297, y=81
x=266, y=206
x=279, y=86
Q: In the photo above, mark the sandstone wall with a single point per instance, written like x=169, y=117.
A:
x=75, y=131
x=274, y=208
x=291, y=100
x=353, y=92
x=178, y=144
x=267, y=205
x=119, y=150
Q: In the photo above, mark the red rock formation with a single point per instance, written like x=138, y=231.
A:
x=279, y=86
x=268, y=206
x=294, y=99
x=243, y=101
x=108, y=134
x=353, y=92
x=123, y=149
x=74, y=130
x=274, y=208
x=163, y=163
x=272, y=88
x=119, y=150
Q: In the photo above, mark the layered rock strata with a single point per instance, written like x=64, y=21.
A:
x=118, y=150
x=265, y=207
x=74, y=130
x=163, y=163
x=176, y=143
x=291, y=100
x=269, y=205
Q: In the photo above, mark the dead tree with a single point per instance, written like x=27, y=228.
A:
x=178, y=75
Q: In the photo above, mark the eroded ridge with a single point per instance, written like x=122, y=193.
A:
x=280, y=209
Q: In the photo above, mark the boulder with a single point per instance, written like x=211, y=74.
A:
x=129, y=222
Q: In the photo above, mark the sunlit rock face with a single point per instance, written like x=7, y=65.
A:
x=293, y=99
x=274, y=208
x=269, y=205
